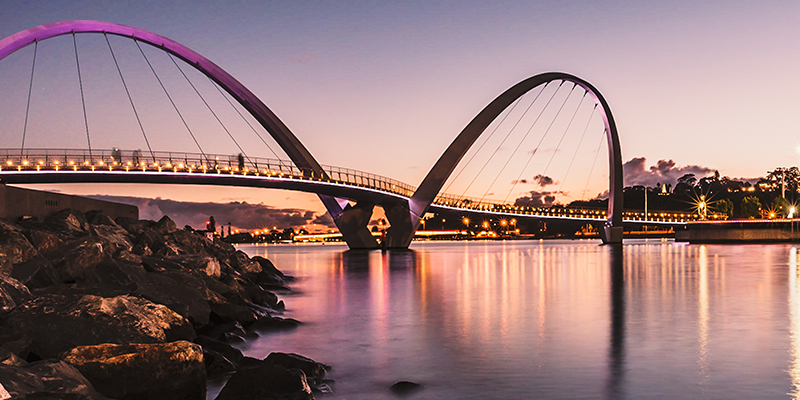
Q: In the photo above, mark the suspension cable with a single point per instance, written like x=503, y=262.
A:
x=605, y=133
x=83, y=101
x=563, y=135
x=513, y=106
x=210, y=109
x=28, y=107
x=280, y=162
x=546, y=132
x=171, y=101
x=518, y=144
x=591, y=115
x=125, y=85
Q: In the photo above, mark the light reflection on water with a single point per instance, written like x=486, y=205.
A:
x=553, y=319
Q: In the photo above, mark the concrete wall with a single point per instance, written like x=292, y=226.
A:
x=752, y=232
x=17, y=202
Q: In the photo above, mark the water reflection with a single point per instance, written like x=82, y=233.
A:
x=794, y=323
x=616, y=362
x=549, y=319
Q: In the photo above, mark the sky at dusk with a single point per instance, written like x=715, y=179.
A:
x=385, y=87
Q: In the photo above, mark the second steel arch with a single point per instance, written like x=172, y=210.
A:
x=436, y=178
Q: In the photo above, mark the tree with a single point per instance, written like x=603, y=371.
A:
x=688, y=179
x=780, y=206
x=725, y=206
x=751, y=207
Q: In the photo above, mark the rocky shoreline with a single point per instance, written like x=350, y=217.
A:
x=95, y=308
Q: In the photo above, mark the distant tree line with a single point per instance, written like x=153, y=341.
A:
x=770, y=197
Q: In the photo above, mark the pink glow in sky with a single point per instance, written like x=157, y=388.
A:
x=385, y=87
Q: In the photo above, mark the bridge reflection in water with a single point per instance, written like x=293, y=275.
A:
x=555, y=319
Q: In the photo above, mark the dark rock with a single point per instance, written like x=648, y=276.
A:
x=189, y=242
x=168, y=290
x=37, y=272
x=148, y=241
x=156, y=264
x=231, y=353
x=9, y=358
x=216, y=332
x=14, y=246
x=68, y=220
x=46, y=242
x=261, y=297
x=216, y=364
x=118, y=237
x=267, y=324
x=232, y=312
x=12, y=294
x=125, y=255
x=133, y=226
x=199, y=262
x=268, y=267
x=243, y=264
x=57, y=323
x=57, y=396
x=315, y=371
x=165, y=226
x=143, y=371
x=97, y=217
x=62, y=378
x=267, y=382
x=17, y=382
x=81, y=256
x=405, y=387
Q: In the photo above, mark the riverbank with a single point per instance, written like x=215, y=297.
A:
x=95, y=308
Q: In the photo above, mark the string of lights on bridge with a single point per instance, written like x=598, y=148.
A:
x=60, y=160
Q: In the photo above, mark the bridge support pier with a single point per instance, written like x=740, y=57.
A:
x=611, y=234
x=402, y=229
x=352, y=223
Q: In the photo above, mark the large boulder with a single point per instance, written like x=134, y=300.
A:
x=189, y=242
x=98, y=217
x=267, y=381
x=165, y=226
x=46, y=242
x=315, y=371
x=12, y=294
x=56, y=323
x=134, y=226
x=117, y=237
x=48, y=379
x=199, y=262
x=37, y=272
x=68, y=220
x=243, y=264
x=14, y=246
x=148, y=242
x=167, y=289
x=143, y=371
x=80, y=256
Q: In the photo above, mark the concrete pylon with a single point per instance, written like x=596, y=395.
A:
x=352, y=223
x=402, y=228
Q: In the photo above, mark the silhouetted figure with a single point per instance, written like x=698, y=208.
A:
x=136, y=154
x=241, y=162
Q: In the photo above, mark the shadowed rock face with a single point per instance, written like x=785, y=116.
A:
x=152, y=371
x=267, y=381
x=49, y=379
x=56, y=323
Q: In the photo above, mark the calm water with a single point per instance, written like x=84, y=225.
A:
x=546, y=320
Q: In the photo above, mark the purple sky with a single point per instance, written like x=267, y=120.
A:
x=385, y=87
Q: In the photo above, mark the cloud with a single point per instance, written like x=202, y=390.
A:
x=540, y=179
x=241, y=215
x=635, y=172
x=537, y=198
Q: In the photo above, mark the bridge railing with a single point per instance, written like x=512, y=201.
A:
x=165, y=161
